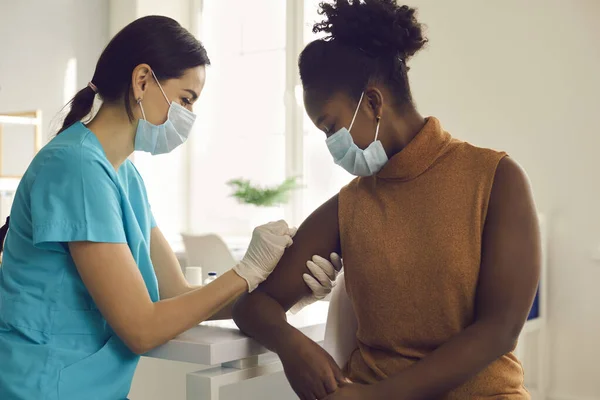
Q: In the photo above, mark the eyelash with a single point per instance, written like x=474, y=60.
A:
x=186, y=101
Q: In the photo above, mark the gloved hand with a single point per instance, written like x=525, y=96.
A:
x=266, y=249
x=322, y=280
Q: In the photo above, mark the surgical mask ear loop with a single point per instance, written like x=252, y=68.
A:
x=160, y=87
x=377, y=129
x=139, y=101
x=356, y=111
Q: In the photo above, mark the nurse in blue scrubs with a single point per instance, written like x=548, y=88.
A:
x=88, y=283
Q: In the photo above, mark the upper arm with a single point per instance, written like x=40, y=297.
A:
x=76, y=203
x=171, y=281
x=511, y=251
x=318, y=235
x=112, y=278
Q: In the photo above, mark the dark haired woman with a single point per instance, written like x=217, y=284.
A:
x=440, y=238
x=88, y=282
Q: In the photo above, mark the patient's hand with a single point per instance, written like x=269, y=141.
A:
x=311, y=371
x=355, y=391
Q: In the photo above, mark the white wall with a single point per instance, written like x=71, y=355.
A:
x=523, y=77
x=37, y=40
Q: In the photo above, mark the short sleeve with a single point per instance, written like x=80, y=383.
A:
x=76, y=197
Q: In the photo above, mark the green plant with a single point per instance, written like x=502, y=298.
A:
x=245, y=192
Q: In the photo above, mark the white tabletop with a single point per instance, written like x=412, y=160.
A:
x=217, y=342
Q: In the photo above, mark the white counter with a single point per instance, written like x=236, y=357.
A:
x=234, y=358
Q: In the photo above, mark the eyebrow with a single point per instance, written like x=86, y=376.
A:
x=194, y=94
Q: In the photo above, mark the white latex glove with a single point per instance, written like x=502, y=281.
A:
x=266, y=248
x=322, y=281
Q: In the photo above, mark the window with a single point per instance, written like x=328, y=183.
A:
x=164, y=176
x=241, y=113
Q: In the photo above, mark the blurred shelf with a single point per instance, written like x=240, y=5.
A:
x=9, y=184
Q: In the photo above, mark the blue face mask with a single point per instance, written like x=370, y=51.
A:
x=161, y=139
x=353, y=159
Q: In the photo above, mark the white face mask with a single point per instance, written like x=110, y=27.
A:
x=352, y=158
x=161, y=139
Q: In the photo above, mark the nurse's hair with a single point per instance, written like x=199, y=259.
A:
x=160, y=42
x=366, y=42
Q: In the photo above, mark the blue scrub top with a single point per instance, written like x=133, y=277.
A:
x=54, y=343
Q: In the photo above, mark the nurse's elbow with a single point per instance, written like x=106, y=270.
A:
x=139, y=333
x=138, y=338
x=138, y=344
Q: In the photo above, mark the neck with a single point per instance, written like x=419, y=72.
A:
x=402, y=130
x=115, y=132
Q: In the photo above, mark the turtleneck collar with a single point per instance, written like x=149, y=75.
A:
x=419, y=155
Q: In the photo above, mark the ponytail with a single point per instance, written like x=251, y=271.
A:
x=81, y=105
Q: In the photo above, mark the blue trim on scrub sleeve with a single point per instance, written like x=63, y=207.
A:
x=76, y=197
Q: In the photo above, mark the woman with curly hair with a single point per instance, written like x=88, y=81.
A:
x=440, y=238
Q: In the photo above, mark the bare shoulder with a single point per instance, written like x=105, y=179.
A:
x=511, y=186
x=511, y=206
x=510, y=172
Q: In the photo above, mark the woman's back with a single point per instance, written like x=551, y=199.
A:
x=411, y=238
x=49, y=323
x=27, y=253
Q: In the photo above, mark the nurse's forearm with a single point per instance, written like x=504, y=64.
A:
x=169, y=318
x=224, y=313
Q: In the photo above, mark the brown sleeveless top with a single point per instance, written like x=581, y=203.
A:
x=411, y=240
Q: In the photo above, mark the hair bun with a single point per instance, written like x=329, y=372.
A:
x=377, y=27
